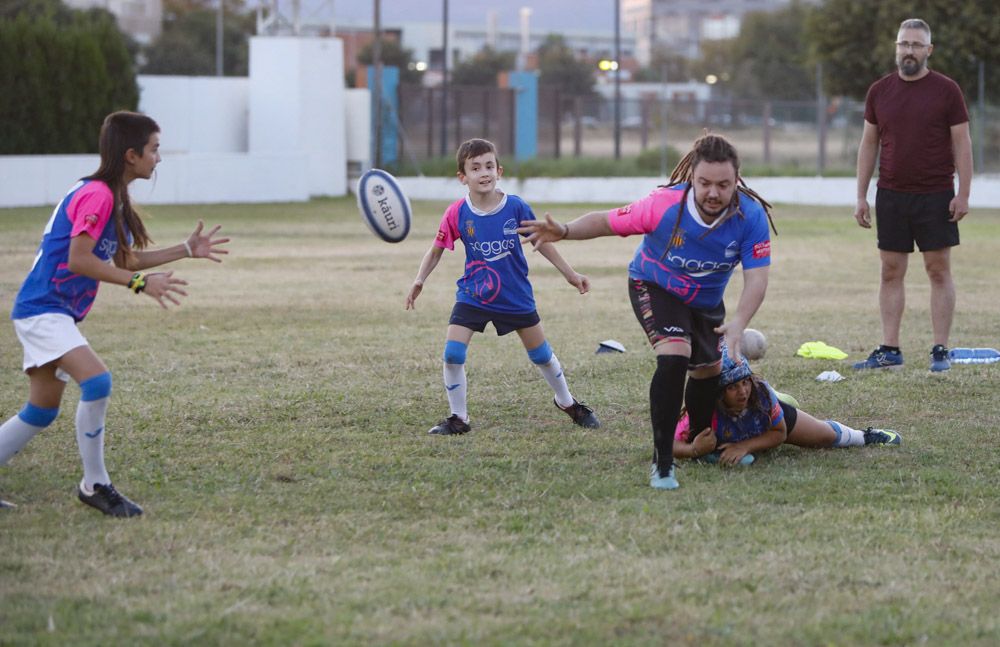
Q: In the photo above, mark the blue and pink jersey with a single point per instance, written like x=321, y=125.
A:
x=697, y=266
x=749, y=424
x=496, y=271
x=50, y=286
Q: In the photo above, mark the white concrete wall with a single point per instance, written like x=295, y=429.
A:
x=279, y=135
x=359, y=126
x=202, y=178
x=297, y=103
x=197, y=114
x=790, y=190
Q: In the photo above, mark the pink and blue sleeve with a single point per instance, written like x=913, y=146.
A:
x=90, y=209
x=643, y=216
x=448, y=229
x=756, y=248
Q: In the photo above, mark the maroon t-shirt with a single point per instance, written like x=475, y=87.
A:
x=914, y=120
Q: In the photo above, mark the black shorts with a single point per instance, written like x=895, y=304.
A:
x=904, y=218
x=663, y=316
x=791, y=415
x=476, y=319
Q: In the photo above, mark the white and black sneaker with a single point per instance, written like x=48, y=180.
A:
x=109, y=501
x=6, y=504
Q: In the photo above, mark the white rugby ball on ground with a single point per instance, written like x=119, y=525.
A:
x=384, y=206
x=754, y=344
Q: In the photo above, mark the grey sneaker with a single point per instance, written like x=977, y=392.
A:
x=939, y=359
x=881, y=437
x=6, y=504
x=881, y=358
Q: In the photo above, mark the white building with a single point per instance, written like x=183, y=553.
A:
x=680, y=26
x=141, y=19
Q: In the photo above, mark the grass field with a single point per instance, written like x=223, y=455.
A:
x=274, y=429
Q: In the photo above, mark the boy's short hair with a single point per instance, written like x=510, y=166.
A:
x=474, y=148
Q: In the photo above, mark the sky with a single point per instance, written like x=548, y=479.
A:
x=547, y=15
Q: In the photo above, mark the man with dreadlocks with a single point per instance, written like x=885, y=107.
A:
x=696, y=230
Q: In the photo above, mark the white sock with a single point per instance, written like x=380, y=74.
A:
x=14, y=435
x=456, y=386
x=553, y=374
x=90, y=416
x=846, y=436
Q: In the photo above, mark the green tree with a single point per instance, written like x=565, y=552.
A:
x=677, y=68
x=393, y=54
x=483, y=68
x=855, y=41
x=187, y=44
x=769, y=59
x=561, y=69
x=62, y=71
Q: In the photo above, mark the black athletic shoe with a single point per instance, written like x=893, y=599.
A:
x=109, y=501
x=6, y=504
x=450, y=426
x=581, y=414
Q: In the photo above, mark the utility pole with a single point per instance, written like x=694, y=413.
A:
x=377, y=99
x=618, y=81
x=444, y=80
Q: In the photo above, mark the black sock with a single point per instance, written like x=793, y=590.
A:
x=891, y=349
x=666, y=392
x=699, y=399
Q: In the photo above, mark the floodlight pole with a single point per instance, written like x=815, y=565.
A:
x=982, y=113
x=618, y=81
x=218, y=39
x=444, y=79
x=377, y=99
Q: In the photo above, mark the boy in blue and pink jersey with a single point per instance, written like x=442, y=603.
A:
x=750, y=416
x=494, y=287
x=696, y=231
x=89, y=239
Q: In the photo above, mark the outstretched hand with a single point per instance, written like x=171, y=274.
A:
x=162, y=286
x=540, y=232
x=734, y=338
x=204, y=246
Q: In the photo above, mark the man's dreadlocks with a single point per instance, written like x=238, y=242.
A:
x=713, y=148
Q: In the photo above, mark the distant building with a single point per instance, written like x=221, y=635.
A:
x=464, y=41
x=140, y=19
x=680, y=26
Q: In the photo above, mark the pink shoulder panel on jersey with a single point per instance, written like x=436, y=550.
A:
x=643, y=216
x=90, y=209
x=448, y=229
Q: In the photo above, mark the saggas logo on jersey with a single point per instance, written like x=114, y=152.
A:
x=510, y=228
x=493, y=250
x=732, y=250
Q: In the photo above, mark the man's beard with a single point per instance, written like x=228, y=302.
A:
x=910, y=66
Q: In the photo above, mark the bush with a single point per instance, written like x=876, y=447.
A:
x=60, y=77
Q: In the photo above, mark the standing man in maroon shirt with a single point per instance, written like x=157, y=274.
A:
x=917, y=121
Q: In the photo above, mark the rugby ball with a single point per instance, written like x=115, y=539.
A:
x=383, y=205
x=754, y=344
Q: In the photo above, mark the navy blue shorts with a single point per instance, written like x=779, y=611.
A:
x=791, y=415
x=476, y=319
x=904, y=218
